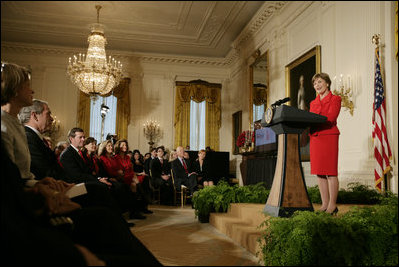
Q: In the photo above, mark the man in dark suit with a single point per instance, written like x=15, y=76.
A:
x=37, y=120
x=160, y=176
x=147, y=162
x=75, y=167
x=182, y=174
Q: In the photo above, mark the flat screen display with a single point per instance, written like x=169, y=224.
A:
x=264, y=136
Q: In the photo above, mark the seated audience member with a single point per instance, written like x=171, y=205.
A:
x=28, y=230
x=121, y=147
x=160, y=175
x=89, y=154
x=61, y=146
x=182, y=174
x=147, y=162
x=146, y=156
x=75, y=167
x=16, y=93
x=144, y=178
x=201, y=167
x=172, y=155
x=112, y=167
x=138, y=165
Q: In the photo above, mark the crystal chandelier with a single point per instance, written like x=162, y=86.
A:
x=93, y=74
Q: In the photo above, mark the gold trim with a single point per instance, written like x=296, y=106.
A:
x=315, y=51
x=256, y=57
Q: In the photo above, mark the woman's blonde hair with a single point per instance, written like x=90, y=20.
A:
x=172, y=155
x=13, y=77
x=102, y=146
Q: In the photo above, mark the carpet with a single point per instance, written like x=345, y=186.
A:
x=177, y=238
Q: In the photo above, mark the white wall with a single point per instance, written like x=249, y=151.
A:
x=344, y=31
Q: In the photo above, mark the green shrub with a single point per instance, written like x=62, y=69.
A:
x=218, y=198
x=363, y=236
x=256, y=193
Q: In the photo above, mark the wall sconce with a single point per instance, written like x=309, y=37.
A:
x=152, y=132
x=54, y=128
x=344, y=91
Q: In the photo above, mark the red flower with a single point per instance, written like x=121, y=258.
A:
x=245, y=137
x=241, y=139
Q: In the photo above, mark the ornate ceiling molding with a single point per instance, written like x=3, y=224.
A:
x=260, y=18
x=144, y=58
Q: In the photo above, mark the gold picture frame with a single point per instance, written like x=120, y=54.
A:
x=299, y=87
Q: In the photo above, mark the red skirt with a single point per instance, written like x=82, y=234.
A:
x=140, y=178
x=324, y=154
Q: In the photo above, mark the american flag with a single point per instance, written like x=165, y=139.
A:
x=382, y=151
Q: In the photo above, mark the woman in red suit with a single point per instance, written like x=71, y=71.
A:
x=111, y=166
x=324, y=142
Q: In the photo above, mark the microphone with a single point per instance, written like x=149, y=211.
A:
x=280, y=102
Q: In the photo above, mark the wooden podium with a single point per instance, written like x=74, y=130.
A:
x=288, y=192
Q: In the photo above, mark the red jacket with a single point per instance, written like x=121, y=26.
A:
x=329, y=106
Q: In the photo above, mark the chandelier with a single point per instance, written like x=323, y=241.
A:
x=93, y=74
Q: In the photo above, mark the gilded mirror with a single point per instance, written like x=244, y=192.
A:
x=259, y=85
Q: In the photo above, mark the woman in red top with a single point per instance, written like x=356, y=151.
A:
x=324, y=142
x=89, y=150
x=121, y=149
x=121, y=155
x=111, y=166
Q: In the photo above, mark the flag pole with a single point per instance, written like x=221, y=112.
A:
x=376, y=41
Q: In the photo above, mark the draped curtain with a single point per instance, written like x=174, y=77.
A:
x=121, y=92
x=197, y=91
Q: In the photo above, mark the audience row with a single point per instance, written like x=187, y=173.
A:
x=42, y=196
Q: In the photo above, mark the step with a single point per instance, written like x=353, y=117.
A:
x=240, y=223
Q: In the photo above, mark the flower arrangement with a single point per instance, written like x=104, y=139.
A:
x=246, y=138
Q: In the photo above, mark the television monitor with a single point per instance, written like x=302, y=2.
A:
x=265, y=140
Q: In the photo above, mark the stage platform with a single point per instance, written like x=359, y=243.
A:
x=241, y=223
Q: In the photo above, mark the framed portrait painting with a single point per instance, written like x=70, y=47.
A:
x=299, y=87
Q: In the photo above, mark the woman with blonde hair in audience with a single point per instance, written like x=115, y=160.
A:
x=16, y=93
x=172, y=155
x=201, y=167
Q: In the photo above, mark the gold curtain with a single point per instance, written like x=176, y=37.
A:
x=121, y=92
x=197, y=91
x=83, y=119
x=182, y=115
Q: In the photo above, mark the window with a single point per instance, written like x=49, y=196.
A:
x=96, y=119
x=197, y=125
x=258, y=112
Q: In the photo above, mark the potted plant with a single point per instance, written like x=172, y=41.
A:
x=203, y=203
